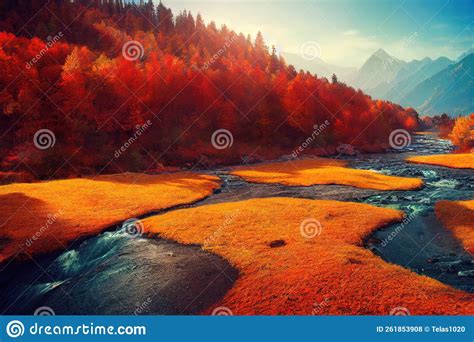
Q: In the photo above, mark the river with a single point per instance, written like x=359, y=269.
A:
x=112, y=273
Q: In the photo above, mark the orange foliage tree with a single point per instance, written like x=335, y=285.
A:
x=462, y=134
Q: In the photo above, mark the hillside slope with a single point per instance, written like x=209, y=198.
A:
x=450, y=90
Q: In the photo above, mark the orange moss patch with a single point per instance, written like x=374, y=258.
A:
x=457, y=161
x=323, y=171
x=459, y=217
x=58, y=212
x=330, y=273
x=425, y=133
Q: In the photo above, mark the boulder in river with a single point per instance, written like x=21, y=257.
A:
x=346, y=150
x=277, y=243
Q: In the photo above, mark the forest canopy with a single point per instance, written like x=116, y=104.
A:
x=95, y=73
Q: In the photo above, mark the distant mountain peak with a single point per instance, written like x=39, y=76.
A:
x=443, y=59
x=381, y=53
x=378, y=70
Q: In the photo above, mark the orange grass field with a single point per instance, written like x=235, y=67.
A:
x=331, y=273
x=307, y=172
x=459, y=217
x=58, y=212
x=457, y=161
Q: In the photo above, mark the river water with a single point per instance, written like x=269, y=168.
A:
x=112, y=273
x=420, y=242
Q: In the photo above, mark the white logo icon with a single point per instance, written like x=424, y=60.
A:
x=221, y=139
x=15, y=329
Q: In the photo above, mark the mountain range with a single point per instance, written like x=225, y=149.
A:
x=449, y=91
x=411, y=75
x=431, y=86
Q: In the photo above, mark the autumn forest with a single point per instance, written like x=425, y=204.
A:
x=183, y=81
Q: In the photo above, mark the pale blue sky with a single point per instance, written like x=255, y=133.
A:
x=349, y=31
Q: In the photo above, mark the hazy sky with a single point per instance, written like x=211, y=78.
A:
x=348, y=31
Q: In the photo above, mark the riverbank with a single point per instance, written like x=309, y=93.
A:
x=47, y=216
x=305, y=257
x=458, y=216
x=289, y=249
x=456, y=161
x=305, y=172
